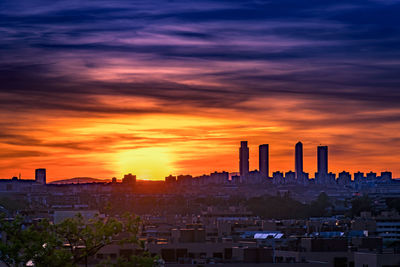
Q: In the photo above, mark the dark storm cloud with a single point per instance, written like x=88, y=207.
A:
x=27, y=88
x=336, y=50
x=21, y=154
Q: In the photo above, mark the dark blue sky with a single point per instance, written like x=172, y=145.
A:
x=319, y=49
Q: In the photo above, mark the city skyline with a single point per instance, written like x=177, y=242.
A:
x=102, y=89
x=244, y=170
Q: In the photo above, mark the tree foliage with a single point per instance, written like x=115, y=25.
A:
x=144, y=260
x=69, y=243
x=360, y=204
x=276, y=207
x=319, y=207
x=13, y=203
x=393, y=203
x=284, y=207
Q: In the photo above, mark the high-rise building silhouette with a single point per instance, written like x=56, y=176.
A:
x=129, y=179
x=298, y=160
x=322, y=158
x=40, y=176
x=243, y=159
x=359, y=177
x=386, y=176
x=263, y=160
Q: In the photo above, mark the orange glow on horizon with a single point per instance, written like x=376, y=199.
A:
x=154, y=145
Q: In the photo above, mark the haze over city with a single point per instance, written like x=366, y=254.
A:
x=102, y=89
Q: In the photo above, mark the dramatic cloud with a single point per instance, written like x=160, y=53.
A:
x=86, y=89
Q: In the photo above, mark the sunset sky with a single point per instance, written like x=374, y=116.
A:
x=103, y=88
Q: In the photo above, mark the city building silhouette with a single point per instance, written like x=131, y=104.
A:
x=40, y=176
x=298, y=158
x=243, y=159
x=263, y=161
x=322, y=159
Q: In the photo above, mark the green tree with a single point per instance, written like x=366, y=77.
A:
x=13, y=204
x=45, y=247
x=13, y=242
x=393, y=203
x=276, y=207
x=319, y=206
x=360, y=204
x=68, y=243
x=85, y=239
x=37, y=243
x=144, y=260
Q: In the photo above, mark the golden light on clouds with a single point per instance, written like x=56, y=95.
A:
x=155, y=144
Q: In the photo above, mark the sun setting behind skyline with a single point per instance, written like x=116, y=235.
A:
x=159, y=88
x=156, y=145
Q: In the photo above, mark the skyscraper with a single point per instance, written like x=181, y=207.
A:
x=40, y=176
x=129, y=178
x=243, y=159
x=322, y=158
x=263, y=160
x=298, y=158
